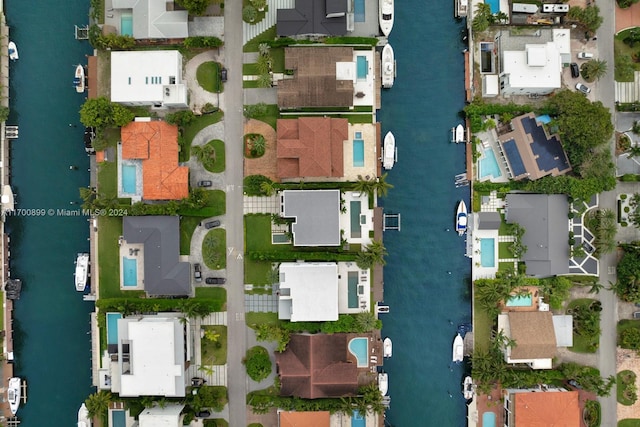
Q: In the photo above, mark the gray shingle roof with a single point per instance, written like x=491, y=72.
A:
x=489, y=220
x=317, y=216
x=311, y=17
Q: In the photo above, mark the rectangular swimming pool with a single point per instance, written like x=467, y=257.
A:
x=494, y=4
x=118, y=418
x=129, y=271
x=112, y=327
x=357, y=420
x=358, y=153
x=362, y=67
x=358, y=11
x=129, y=179
x=520, y=301
x=354, y=219
x=352, y=283
x=487, y=252
x=126, y=24
x=489, y=165
x=488, y=419
x=359, y=347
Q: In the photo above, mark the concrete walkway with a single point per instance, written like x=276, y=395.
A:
x=197, y=95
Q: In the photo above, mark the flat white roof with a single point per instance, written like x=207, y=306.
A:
x=543, y=74
x=491, y=84
x=309, y=291
x=169, y=416
x=346, y=71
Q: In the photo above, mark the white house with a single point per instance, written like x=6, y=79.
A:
x=150, y=19
x=165, y=416
x=151, y=78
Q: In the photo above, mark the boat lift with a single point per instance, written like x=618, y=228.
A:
x=461, y=180
x=82, y=33
x=391, y=221
x=11, y=132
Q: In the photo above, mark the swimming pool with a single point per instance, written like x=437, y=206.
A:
x=494, y=4
x=112, y=327
x=358, y=153
x=545, y=118
x=129, y=271
x=488, y=419
x=358, y=420
x=520, y=301
x=487, y=252
x=358, y=11
x=126, y=24
x=359, y=347
x=129, y=179
x=362, y=67
x=489, y=165
x=118, y=418
x=352, y=283
x=355, y=219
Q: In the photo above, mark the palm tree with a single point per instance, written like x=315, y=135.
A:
x=594, y=69
x=264, y=80
x=366, y=321
x=382, y=186
x=634, y=151
x=371, y=255
x=636, y=127
x=364, y=185
x=98, y=403
x=267, y=188
x=263, y=65
x=259, y=145
x=264, y=48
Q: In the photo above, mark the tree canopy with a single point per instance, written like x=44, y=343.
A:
x=628, y=285
x=101, y=113
x=195, y=7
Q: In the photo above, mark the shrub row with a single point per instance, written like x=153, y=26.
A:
x=306, y=256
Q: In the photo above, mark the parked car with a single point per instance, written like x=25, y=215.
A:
x=197, y=381
x=205, y=183
x=585, y=55
x=575, y=71
x=215, y=280
x=636, y=314
x=203, y=414
x=223, y=74
x=574, y=384
x=197, y=272
x=212, y=224
x=582, y=88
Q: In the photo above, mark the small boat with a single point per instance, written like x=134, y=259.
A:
x=389, y=151
x=461, y=8
x=463, y=328
x=461, y=218
x=383, y=383
x=388, y=66
x=387, y=347
x=13, y=51
x=468, y=390
x=13, y=394
x=458, y=349
x=78, y=80
x=383, y=308
x=83, y=416
x=459, y=134
x=82, y=271
x=385, y=16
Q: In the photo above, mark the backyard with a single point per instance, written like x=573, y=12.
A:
x=109, y=229
x=214, y=345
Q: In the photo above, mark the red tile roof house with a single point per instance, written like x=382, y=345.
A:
x=541, y=407
x=155, y=144
x=306, y=419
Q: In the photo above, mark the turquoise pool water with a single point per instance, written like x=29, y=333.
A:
x=488, y=419
x=352, y=283
x=488, y=252
x=112, y=327
x=126, y=24
x=489, y=165
x=545, y=118
x=358, y=11
x=129, y=179
x=129, y=271
x=359, y=347
x=494, y=4
x=354, y=208
x=362, y=67
x=520, y=301
x=358, y=420
x=358, y=153
x=118, y=418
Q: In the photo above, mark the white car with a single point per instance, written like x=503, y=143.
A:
x=585, y=55
x=582, y=88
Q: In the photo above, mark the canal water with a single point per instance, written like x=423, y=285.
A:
x=427, y=275
x=51, y=319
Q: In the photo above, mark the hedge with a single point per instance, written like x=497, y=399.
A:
x=306, y=256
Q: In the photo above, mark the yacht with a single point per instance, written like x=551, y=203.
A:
x=13, y=394
x=461, y=218
x=385, y=16
x=387, y=347
x=83, y=416
x=383, y=383
x=82, y=271
x=389, y=153
x=78, y=80
x=388, y=66
x=13, y=51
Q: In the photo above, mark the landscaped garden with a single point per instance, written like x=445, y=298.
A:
x=592, y=413
x=627, y=392
x=214, y=249
x=257, y=363
x=211, y=155
x=213, y=345
x=190, y=130
x=586, y=324
x=208, y=76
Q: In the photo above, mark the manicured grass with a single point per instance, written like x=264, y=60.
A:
x=271, y=116
x=189, y=132
x=215, y=161
x=109, y=229
x=254, y=318
x=214, y=352
x=624, y=325
x=108, y=178
x=505, y=266
x=188, y=225
x=277, y=59
x=250, y=84
x=217, y=422
x=626, y=389
x=582, y=344
x=250, y=70
x=482, y=325
x=629, y=422
x=255, y=272
x=258, y=233
x=216, y=205
x=215, y=292
x=505, y=229
x=214, y=249
x=504, y=250
x=268, y=35
x=208, y=75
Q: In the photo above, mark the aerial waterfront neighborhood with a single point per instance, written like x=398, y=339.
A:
x=271, y=242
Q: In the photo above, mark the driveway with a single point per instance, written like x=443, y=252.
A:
x=197, y=95
x=626, y=18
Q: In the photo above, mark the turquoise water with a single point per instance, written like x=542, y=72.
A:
x=52, y=348
x=129, y=271
x=354, y=209
x=358, y=420
x=362, y=67
x=427, y=43
x=126, y=25
x=489, y=165
x=118, y=419
x=545, y=118
x=358, y=153
x=488, y=252
x=520, y=301
x=112, y=327
x=488, y=419
x=129, y=179
x=352, y=284
x=358, y=11
x=494, y=4
x=359, y=347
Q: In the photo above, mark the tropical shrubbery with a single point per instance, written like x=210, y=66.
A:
x=202, y=42
x=257, y=363
x=627, y=392
x=628, y=285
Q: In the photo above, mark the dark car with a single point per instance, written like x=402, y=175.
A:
x=575, y=71
x=223, y=74
x=197, y=381
x=203, y=414
x=574, y=384
x=215, y=280
x=205, y=183
x=197, y=272
x=212, y=224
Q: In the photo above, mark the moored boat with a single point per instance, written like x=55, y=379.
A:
x=383, y=383
x=389, y=151
x=385, y=16
x=83, y=416
x=459, y=134
x=78, y=80
x=468, y=390
x=461, y=8
x=82, y=271
x=13, y=51
x=387, y=347
x=458, y=349
x=461, y=218
x=388, y=66
x=14, y=393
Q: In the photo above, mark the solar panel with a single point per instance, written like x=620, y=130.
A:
x=513, y=156
x=549, y=152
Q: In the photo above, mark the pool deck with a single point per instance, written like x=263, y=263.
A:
x=535, y=300
x=132, y=251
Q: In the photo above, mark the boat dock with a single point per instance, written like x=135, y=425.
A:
x=81, y=33
x=391, y=221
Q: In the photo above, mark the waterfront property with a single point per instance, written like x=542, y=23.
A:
x=359, y=347
x=541, y=406
x=489, y=168
x=487, y=252
x=312, y=17
x=112, y=328
x=148, y=19
x=485, y=247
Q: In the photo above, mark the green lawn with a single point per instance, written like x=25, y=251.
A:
x=277, y=59
x=255, y=272
x=218, y=422
x=629, y=422
x=257, y=232
x=482, y=325
x=208, y=76
x=214, y=352
x=108, y=178
x=216, y=205
x=215, y=292
x=214, y=249
x=254, y=318
x=250, y=84
x=582, y=344
x=625, y=387
x=216, y=162
x=252, y=45
x=624, y=325
x=189, y=132
x=188, y=225
x=505, y=266
x=250, y=70
x=109, y=229
x=504, y=250
x=271, y=116
x=505, y=229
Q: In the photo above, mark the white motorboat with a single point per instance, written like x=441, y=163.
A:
x=13, y=51
x=14, y=394
x=468, y=390
x=388, y=66
x=459, y=134
x=82, y=271
x=385, y=16
x=458, y=349
x=461, y=8
x=461, y=218
x=387, y=347
x=389, y=154
x=383, y=383
x=83, y=416
x=78, y=80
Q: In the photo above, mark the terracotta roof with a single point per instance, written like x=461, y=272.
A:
x=315, y=366
x=306, y=419
x=533, y=333
x=314, y=83
x=100, y=156
x=549, y=409
x=311, y=147
x=156, y=144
